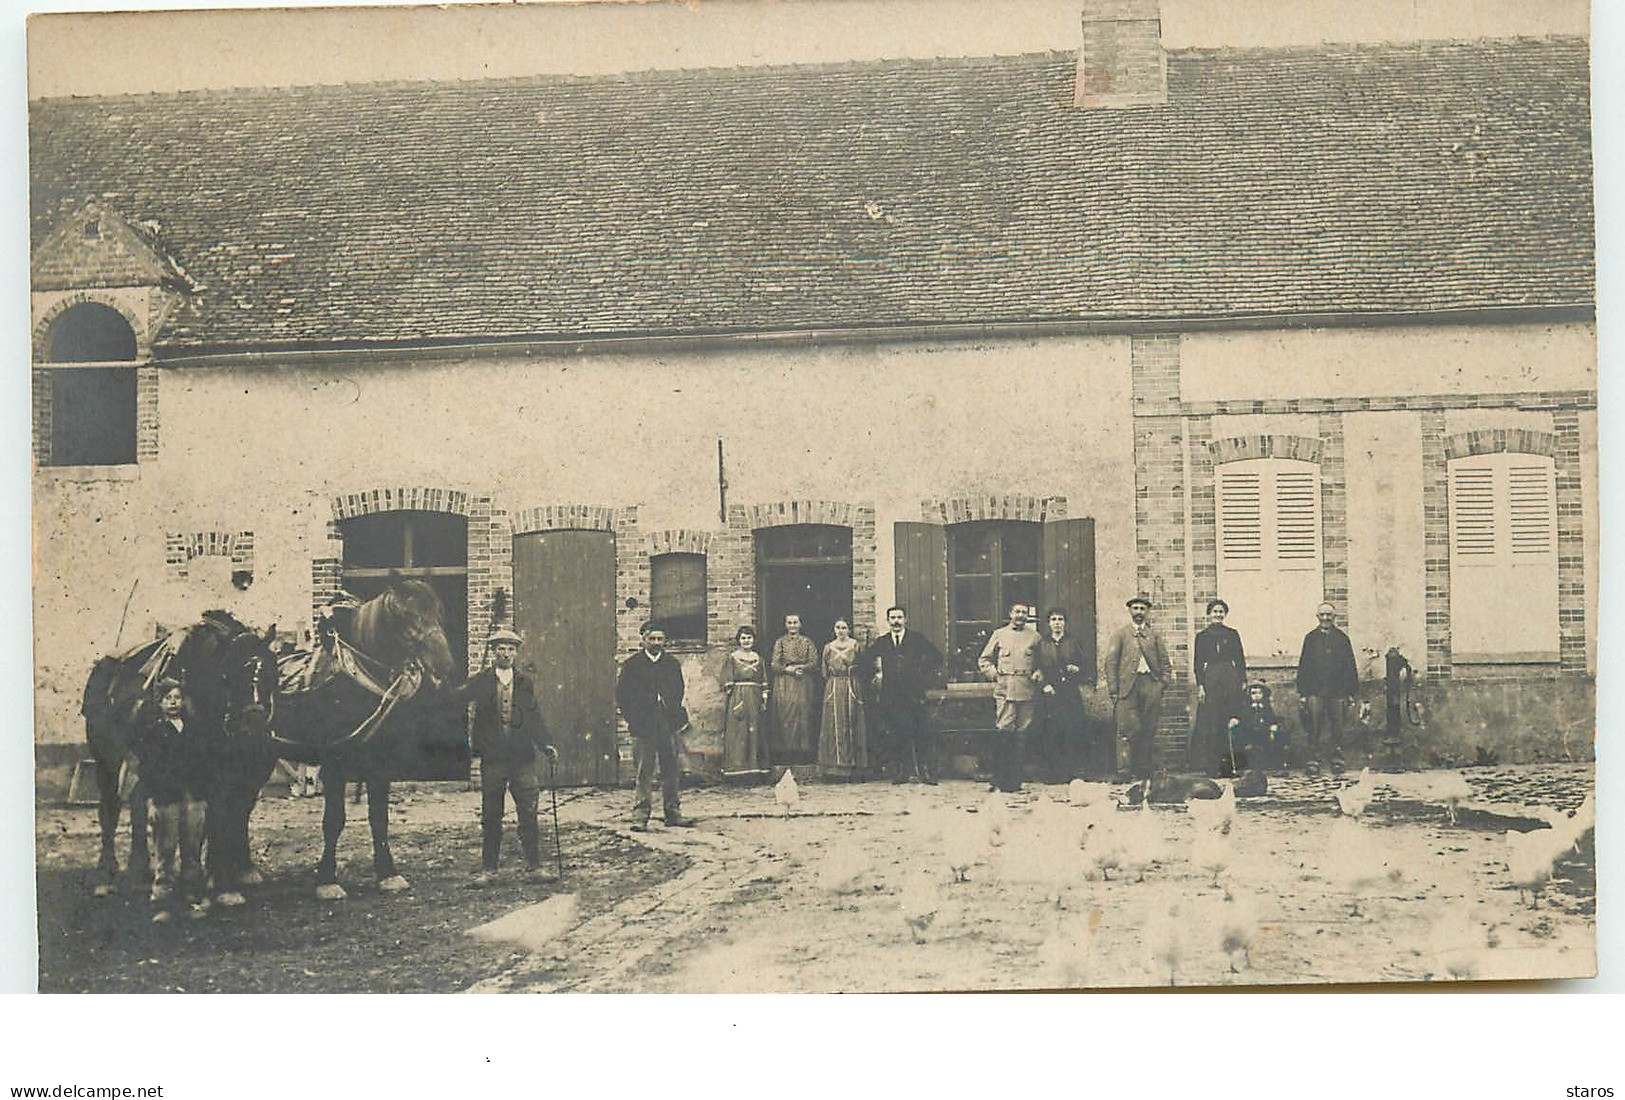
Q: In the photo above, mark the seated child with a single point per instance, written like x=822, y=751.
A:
x=1259, y=738
x=170, y=756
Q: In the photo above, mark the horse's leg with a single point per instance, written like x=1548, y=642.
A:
x=383, y=861
x=140, y=859
x=327, y=871
x=107, y=815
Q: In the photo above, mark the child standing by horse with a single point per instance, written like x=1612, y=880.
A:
x=171, y=755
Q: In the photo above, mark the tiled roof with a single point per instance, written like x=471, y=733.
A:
x=1424, y=177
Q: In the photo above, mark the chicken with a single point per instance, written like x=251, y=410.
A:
x=995, y=815
x=960, y=836
x=785, y=792
x=1081, y=793
x=1459, y=946
x=1214, y=813
x=1353, y=799
x=1164, y=936
x=1530, y=858
x=1139, y=839
x=1042, y=849
x=1361, y=863
x=1572, y=827
x=918, y=901
x=1100, y=843
x=1211, y=852
x=1067, y=953
x=1450, y=789
x=1239, y=919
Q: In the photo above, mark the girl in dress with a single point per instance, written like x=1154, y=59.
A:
x=843, y=745
x=744, y=688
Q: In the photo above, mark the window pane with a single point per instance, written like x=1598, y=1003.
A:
x=973, y=598
x=677, y=594
x=93, y=416
x=377, y=541
x=973, y=547
x=1019, y=587
x=1019, y=547
x=438, y=538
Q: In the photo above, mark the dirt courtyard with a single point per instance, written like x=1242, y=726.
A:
x=869, y=887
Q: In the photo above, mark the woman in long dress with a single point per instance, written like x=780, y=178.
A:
x=1220, y=665
x=1066, y=753
x=795, y=668
x=843, y=744
x=744, y=691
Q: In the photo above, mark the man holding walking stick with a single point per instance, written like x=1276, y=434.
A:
x=507, y=734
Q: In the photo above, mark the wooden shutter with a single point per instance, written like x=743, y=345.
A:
x=921, y=578
x=1069, y=581
x=1503, y=558
x=1269, y=544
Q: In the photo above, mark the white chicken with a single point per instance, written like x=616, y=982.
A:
x=1082, y=793
x=1449, y=789
x=995, y=817
x=1353, y=799
x=918, y=900
x=1139, y=840
x=1164, y=937
x=960, y=836
x=1099, y=842
x=1362, y=864
x=1530, y=858
x=785, y=792
x=1459, y=946
x=1240, y=917
x=1211, y=852
x=1042, y=850
x=1214, y=813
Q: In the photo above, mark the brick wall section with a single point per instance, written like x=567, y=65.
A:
x=1159, y=525
x=1204, y=515
x=631, y=579
x=1501, y=440
x=865, y=553
x=1314, y=406
x=1334, y=511
x=730, y=576
x=390, y=498
x=483, y=550
x=1239, y=448
x=42, y=417
x=679, y=541
x=1571, y=593
x=1120, y=62
x=1436, y=543
x=565, y=517
x=967, y=509
x=180, y=548
x=326, y=576
x=146, y=414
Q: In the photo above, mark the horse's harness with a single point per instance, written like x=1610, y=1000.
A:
x=157, y=659
x=310, y=671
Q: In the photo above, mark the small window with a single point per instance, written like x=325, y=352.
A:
x=1503, y=558
x=92, y=410
x=991, y=564
x=677, y=595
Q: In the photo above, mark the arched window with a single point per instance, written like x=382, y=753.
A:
x=1503, y=558
x=92, y=403
x=1270, y=551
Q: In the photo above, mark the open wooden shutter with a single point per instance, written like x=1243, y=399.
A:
x=1069, y=581
x=921, y=581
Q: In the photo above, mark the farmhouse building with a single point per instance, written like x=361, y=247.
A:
x=1277, y=324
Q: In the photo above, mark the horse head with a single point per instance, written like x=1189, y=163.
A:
x=405, y=626
x=250, y=673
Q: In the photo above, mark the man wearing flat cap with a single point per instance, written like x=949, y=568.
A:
x=507, y=734
x=1137, y=670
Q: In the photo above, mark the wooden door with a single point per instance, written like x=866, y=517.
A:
x=564, y=609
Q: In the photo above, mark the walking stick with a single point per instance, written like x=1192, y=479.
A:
x=553, y=787
x=1231, y=741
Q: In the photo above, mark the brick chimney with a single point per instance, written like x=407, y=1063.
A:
x=1121, y=63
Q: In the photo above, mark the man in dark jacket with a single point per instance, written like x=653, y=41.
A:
x=649, y=692
x=507, y=733
x=1137, y=671
x=1327, y=679
x=901, y=664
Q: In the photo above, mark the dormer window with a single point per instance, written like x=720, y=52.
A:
x=90, y=389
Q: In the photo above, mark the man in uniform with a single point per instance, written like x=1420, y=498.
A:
x=507, y=734
x=1327, y=679
x=1010, y=660
x=649, y=692
x=1137, y=670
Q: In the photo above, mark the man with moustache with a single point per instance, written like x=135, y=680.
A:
x=649, y=692
x=901, y=665
x=1010, y=660
x=1137, y=671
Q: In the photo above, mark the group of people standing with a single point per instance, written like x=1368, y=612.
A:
x=818, y=700
x=1236, y=727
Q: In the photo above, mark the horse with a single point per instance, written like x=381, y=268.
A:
x=228, y=672
x=348, y=706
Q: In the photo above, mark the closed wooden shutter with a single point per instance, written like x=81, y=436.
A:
x=1069, y=581
x=1269, y=550
x=921, y=581
x=1503, y=558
